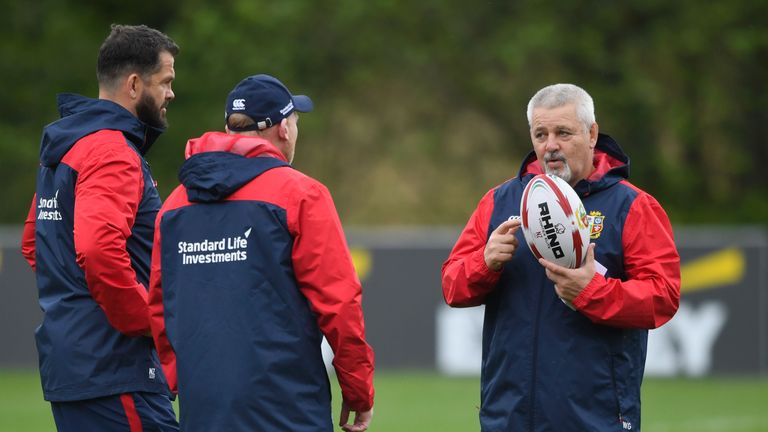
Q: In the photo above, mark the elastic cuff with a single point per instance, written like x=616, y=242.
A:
x=582, y=299
x=484, y=273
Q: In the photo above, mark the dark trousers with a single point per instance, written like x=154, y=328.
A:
x=128, y=412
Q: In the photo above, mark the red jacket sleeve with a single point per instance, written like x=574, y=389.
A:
x=28, y=236
x=651, y=294
x=327, y=278
x=109, y=187
x=467, y=280
x=157, y=313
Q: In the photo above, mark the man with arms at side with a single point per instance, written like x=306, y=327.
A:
x=89, y=235
x=547, y=366
x=250, y=268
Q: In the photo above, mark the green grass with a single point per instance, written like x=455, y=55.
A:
x=426, y=401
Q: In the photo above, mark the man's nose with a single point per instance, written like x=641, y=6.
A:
x=552, y=144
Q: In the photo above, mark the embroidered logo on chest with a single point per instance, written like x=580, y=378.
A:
x=598, y=220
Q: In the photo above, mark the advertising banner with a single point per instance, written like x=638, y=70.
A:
x=720, y=328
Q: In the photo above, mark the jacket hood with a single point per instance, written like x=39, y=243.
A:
x=611, y=166
x=218, y=164
x=81, y=116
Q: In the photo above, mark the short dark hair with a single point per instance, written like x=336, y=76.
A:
x=130, y=49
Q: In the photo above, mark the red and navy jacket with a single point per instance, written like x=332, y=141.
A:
x=546, y=367
x=89, y=237
x=250, y=269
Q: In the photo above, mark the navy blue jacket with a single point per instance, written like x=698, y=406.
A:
x=545, y=366
x=250, y=270
x=89, y=237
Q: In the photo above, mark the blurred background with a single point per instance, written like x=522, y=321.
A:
x=419, y=110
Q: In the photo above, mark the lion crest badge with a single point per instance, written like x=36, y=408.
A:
x=598, y=220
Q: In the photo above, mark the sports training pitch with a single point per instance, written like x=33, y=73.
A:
x=425, y=401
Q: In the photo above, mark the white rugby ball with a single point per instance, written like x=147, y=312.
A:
x=554, y=222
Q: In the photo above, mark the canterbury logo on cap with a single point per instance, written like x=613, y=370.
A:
x=238, y=104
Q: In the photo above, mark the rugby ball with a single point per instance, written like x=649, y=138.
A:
x=554, y=222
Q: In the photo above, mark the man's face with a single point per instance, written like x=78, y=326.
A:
x=562, y=145
x=157, y=94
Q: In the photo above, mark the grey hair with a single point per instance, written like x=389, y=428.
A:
x=557, y=95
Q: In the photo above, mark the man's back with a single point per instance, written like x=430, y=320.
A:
x=239, y=258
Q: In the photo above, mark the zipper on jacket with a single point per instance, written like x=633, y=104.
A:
x=616, y=394
x=532, y=396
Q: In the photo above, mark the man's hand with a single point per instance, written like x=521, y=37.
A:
x=501, y=245
x=570, y=282
x=362, y=419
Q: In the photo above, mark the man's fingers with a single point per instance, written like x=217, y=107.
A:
x=552, y=268
x=590, y=253
x=502, y=245
x=508, y=226
x=506, y=248
x=360, y=425
x=544, y=263
x=550, y=274
x=344, y=416
x=505, y=239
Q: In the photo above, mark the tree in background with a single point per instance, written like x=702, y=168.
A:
x=420, y=106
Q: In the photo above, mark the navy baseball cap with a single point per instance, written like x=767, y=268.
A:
x=264, y=99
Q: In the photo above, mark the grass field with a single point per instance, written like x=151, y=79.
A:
x=423, y=401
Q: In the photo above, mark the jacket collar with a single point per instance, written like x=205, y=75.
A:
x=82, y=116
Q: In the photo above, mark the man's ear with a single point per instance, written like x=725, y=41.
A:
x=282, y=130
x=133, y=85
x=593, y=132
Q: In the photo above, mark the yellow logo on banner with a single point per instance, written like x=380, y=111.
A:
x=361, y=259
x=720, y=268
